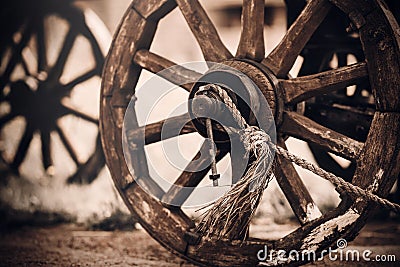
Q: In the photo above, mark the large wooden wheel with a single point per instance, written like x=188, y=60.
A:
x=43, y=85
x=376, y=158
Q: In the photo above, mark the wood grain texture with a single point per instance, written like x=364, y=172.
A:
x=305, y=87
x=151, y=133
x=282, y=58
x=294, y=189
x=305, y=129
x=204, y=31
x=155, y=218
x=251, y=44
x=153, y=9
x=382, y=49
x=167, y=69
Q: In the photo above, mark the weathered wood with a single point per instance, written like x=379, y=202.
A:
x=168, y=225
x=204, y=31
x=380, y=44
x=294, y=189
x=120, y=73
x=305, y=87
x=153, y=9
x=169, y=70
x=251, y=44
x=282, y=58
x=381, y=153
x=305, y=129
x=184, y=186
x=155, y=218
x=151, y=133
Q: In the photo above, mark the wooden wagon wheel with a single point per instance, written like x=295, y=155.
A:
x=348, y=111
x=376, y=158
x=40, y=89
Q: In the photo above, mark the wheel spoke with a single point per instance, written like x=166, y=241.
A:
x=41, y=47
x=23, y=147
x=16, y=56
x=302, y=88
x=251, y=43
x=282, y=58
x=294, y=189
x=183, y=187
x=151, y=133
x=80, y=79
x=70, y=110
x=5, y=119
x=303, y=128
x=67, y=144
x=46, y=149
x=170, y=71
x=59, y=66
x=204, y=31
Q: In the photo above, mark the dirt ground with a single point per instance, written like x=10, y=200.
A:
x=72, y=245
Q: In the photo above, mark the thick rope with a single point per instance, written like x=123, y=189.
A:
x=253, y=136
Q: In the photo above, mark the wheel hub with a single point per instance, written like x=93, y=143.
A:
x=41, y=107
x=252, y=87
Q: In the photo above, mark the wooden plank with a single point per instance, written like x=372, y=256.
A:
x=151, y=133
x=251, y=44
x=294, y=189
x=305, y=129
x=305, y=87
x=184, y=186
x=282, y=58
x=167, y=69
x=204, y=31
x=153, y=9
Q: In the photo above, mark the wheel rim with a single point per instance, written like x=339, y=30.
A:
x=40, y=91
x=121, y=76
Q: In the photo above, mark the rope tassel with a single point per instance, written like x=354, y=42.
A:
x=231, y=214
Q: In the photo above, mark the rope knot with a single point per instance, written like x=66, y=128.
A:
x=254, y=139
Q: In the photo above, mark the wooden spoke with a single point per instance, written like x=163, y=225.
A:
x=187, y=181
x=282, y=58
x=177, y=74
x=303, y=128
x=151, y=133
x=41, y=47
x=204, y=31
x=302, y=88
x=294, y=189
x=80, y=79
x=23, y=147
x=46, y=149
x=70, y=110
x=67, y=144
x=6, y=118
x=251, y=43
x=59, y=66
x=16, y=56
